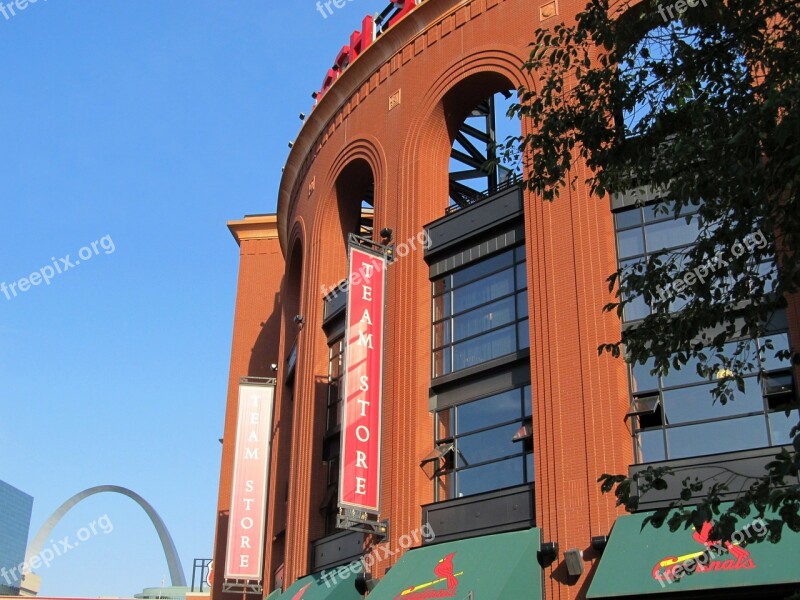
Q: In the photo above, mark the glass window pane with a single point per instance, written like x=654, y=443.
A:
x=696, y=403
x=499, y=408
x=750, y=355
x=686, y=374
x=766, y=271
x=441, y=285
x=485, y=318
x=524, y=334
x=444, y=425
x=628, y=218
x=658, y=211
x=651, y=446
x=479, y=269
x=527, y=403
x=522, y=276
x=531, y=474
x=334, y=416
x=670, y=234
x=630, y=243
x=490, y=477
x=486, y=347
x=641, y=379
x=519, y=253
x=522, y=305
x=487, y=445
x=441, y=334
x=636, y=309
x=487, y=289
x=780, y=426
x=441, y=307
x=717, y=436
x=780, y=341
x=441, y=362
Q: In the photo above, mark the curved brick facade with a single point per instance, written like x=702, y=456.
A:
x=440, y=60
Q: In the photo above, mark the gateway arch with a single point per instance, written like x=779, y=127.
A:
x=173, y=561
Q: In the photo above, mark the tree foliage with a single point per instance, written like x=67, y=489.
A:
x=703, y=108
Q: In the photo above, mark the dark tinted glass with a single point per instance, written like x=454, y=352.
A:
x=483, y=267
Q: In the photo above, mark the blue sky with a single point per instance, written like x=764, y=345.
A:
x=152, y=123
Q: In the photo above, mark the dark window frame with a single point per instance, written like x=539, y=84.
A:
x=447, y=476
x=445, y=287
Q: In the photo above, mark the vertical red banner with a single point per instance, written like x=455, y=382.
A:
x=246, y=526
x=360, y=478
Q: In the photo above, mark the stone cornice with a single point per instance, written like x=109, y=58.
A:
x=255, y=227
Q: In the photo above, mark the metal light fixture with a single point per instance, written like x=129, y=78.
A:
x=574, y=560
x=599, y=542
x=365, y=583
x=548, y=552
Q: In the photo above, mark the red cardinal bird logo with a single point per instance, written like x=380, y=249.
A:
x=444, y=572
x=704, y=534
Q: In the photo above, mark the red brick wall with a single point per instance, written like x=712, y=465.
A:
x=471, y=49
x=442, y=57
x=256, y=332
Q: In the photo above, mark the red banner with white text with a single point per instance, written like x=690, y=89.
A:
x=245, y=551
x=359, y=482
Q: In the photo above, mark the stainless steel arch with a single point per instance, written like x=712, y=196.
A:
x=173, y=560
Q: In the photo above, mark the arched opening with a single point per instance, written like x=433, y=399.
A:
x=478, y=125
x=283, y=444
x=291, y=293
x=355, y=196
x=482, y=434
x=355, y=201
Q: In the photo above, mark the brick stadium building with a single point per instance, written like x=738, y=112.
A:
x=498, y=415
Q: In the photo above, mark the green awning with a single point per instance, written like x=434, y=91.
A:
x=315, y=587
x=274, y=595
x=640, y=561
x=494, y=567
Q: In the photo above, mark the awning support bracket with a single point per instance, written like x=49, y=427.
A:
x=242, y=586
x=353, y=520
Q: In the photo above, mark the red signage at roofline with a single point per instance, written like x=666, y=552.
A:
x=361, y=40
x=360, y=478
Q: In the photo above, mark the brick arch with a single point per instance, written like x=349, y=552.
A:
x=328, y=224
x=295, y=267
x=426, y=145
x=431, y=134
